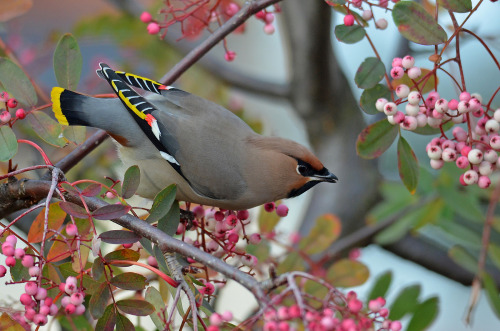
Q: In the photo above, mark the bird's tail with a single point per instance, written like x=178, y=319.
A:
x=68, y=107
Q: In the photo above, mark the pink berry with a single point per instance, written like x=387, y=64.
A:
x=146, y=17
x=65, y=301
x=349, y=20
x=492, y=126
x=232, y=8
x=397, y=62
x=269, y=18
x=491, y=156
x=153, y=28
x=31, y=288
x=20, y=113
x=80, y=309
x=216, y=319
x=8, y=249
x=459, y=133
x=77, y=298
x=383, y=3
x=41, y=294
x=367, y=14
x=152, y=261
x=40, y=319
x=5, y=116
x=232, y=220
x=53, y=309
x=399, y=117
x=261, y=15
x=230, y=56
x=397, y=72
x=227, y=316
x=255, y=239
x=11, y=239
x=396, y=326
x=282, y=210
x=471, y=177
x=381, y=23
x=3, y=271
x=71, y=229
x=269, y=28
x=495, y=142
x=26, y=299
x=390, y=109
x=463, y=107
x=436, y=164
x=69, y=309
x=354, y=305
x=465, y=151
x=453, y=104
x=384, y=312
x=44, y=310
x=4, y=96
x=408, y=62
x=449, y=155
x=483, y=182
x=465, y=96
x=414, y=72
x=48, y=301
x=10, y=261
x=409, y=123
x=485, y=168
x=12, y=103
x=462, y=162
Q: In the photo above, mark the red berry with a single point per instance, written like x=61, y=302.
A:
x=230, y=56
x=348, y=20
x=282, y=210
x=20, y=113
x=12, y=103
x=269, y=207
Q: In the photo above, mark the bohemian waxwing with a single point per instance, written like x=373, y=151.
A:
x=214, y=157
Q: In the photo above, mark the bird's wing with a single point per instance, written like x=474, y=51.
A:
x=142, y=112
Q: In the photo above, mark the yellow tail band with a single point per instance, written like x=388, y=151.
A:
x=55, y=95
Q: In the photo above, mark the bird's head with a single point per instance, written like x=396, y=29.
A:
x=293, y=169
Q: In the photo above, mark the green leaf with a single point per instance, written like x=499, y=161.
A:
x=381, y=286
x=153, y=296
x=462, y=203
x=349, y=34
x=15, y=81
x=397, y=230
x=123, y=255
x=131, y=181
x=119, y=237
x=369, y=73
x=46, y=128
x=458, y=6
x=376, y=138
x=97, y=268
x=347, y=273
x=123, y=323
x=129, y=281
x=135, y=307
x=170, y=221
x=370, y=96
x=8, y=143
x=463, y=258
x=267, y=221
x=90, y=284
x=72, y=322
x=75, y=133
x=492, y=293
x=494, y=253
x=407, y=165
x=337, y=2
x=110, y=212
x=292, y=262
x=325, y=231
x=108, y=320
x=68, y=62
x=99, y=300
x=162, y=203
x=428, y=131
x=405, y=302
x=416, y=25
x=424, y=315
x=18, y=272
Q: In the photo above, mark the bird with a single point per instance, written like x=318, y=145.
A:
x=175, y=137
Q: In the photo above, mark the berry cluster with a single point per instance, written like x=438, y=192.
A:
x=200, y=15
x=475, y=149
x=366, y=14
x=332, y=317
x=10, y=103
x=36, y=303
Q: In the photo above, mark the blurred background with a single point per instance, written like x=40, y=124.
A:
x=296, y=83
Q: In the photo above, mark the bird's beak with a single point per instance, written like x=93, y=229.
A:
x=329, y=177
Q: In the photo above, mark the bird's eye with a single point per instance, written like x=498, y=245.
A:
x=301, y=169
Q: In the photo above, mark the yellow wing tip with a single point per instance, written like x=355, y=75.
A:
x=55, y=96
